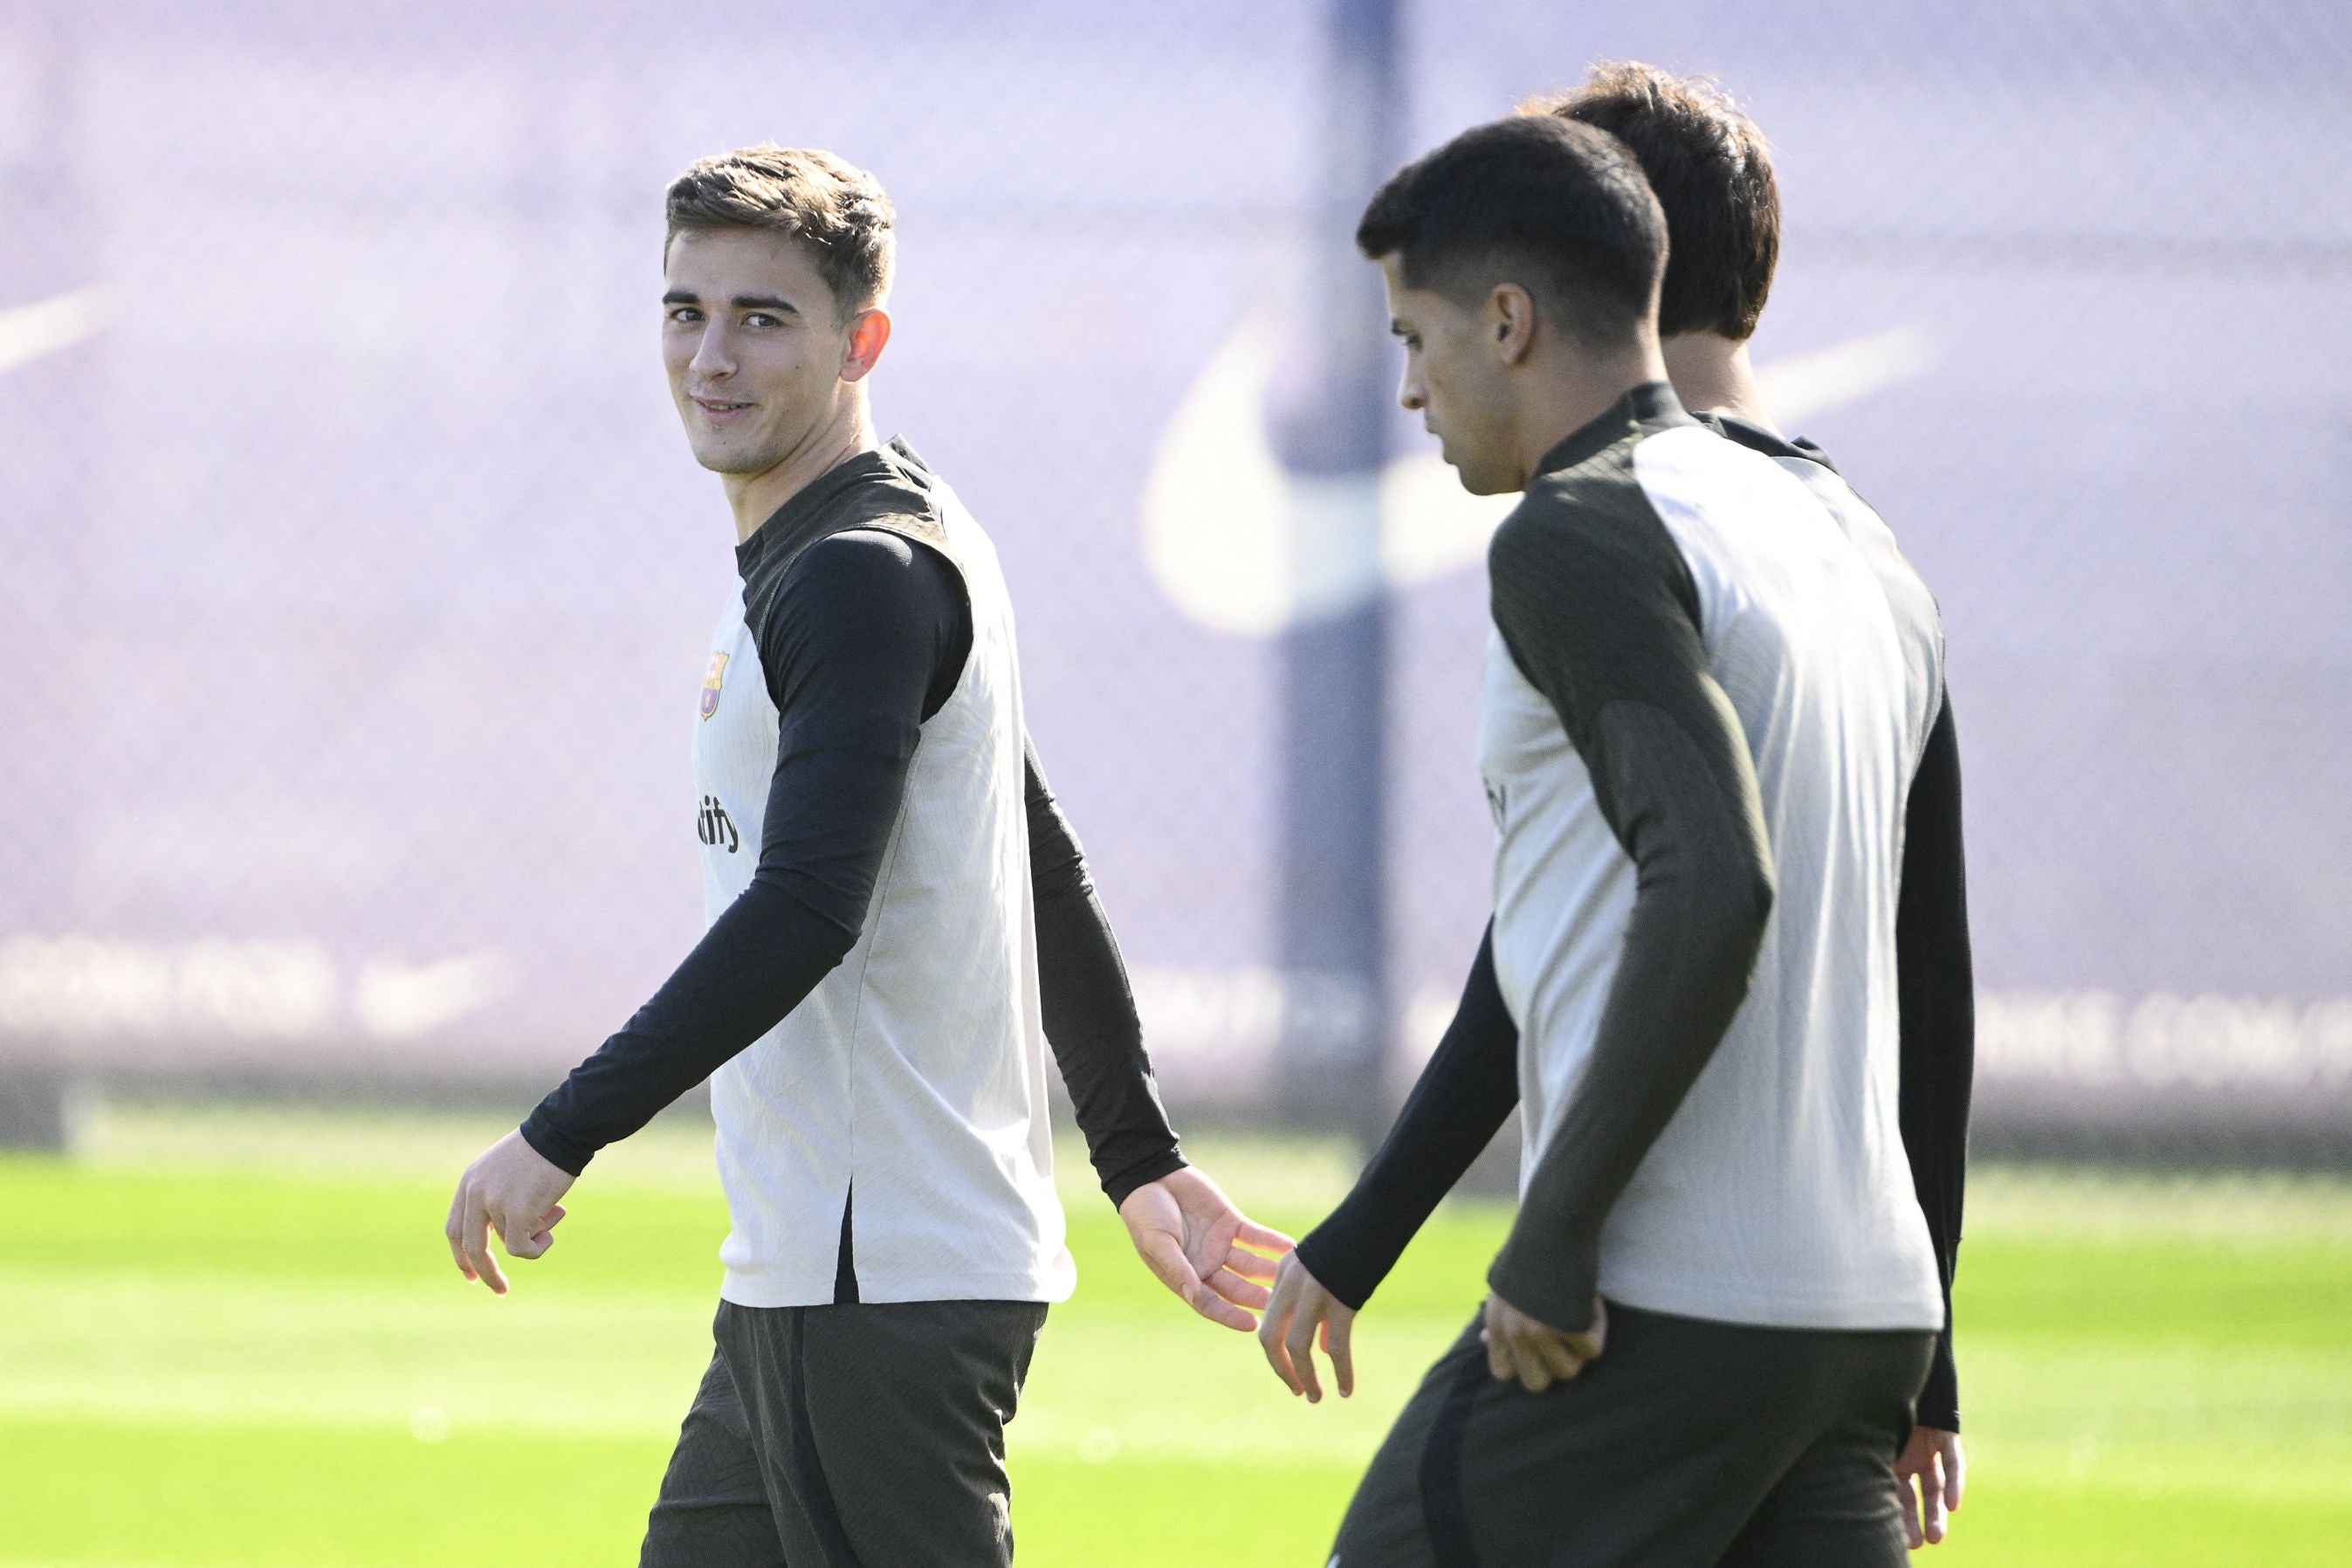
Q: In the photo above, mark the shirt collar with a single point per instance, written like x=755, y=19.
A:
x=793, y=524
x=1651, y=403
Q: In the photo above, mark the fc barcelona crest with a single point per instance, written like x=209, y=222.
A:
x=713, y=682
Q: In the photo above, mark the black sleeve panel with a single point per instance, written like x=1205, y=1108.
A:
x=1460, y=1102
x=852, y=644
x=1090, y=1018
x=1937, y=985
x=1596, y=607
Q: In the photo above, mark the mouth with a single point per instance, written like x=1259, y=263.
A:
x=717, y=407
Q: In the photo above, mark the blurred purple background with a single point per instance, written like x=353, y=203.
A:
x=357, y=579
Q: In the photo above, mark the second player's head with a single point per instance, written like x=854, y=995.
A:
x=1713, y=175
x=776, y=267
x=1522, y=256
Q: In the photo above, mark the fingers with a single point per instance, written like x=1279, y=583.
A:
x=1270, y=1330
x=535, y=1239
x=1252, y=1265
x=1559, y=1359
x=454, y=1228
x=1298, y=1340
x=1263, y=1239
x=1164, y=1255
x=1241, y=1293
x=1498, y=1355
x=1338, y=1331
x=1931, y=1500
x=1956, y=1469
x=1219, y=1310
x=474, y=1242
x=545, y=1234
x=1913, y=1535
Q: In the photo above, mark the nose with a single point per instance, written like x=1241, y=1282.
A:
x=1410, y=392
x=711, y=362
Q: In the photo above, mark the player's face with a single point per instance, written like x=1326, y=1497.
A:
x=1453, y=380
x=761, y=363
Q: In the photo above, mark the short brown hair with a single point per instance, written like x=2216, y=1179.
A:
x=831, y=206
x=1713, y=174
x=1555, y=206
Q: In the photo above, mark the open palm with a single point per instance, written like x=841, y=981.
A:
x=1213, y=1256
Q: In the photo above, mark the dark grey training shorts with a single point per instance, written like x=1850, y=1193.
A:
x=1687, y=1443
x=856, y=1436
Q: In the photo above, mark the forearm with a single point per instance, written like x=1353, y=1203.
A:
x=1936, y=991
x=1097, y=1039
x=1704, y=894
x=754, y=966
x=1461, y=1100
x=1091, y=1023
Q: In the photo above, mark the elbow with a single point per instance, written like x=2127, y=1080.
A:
x=1754, y=901
x=823, y=927
x=1733, y=926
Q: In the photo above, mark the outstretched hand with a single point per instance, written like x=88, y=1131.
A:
x=1213, y=1256
x=513, y=1189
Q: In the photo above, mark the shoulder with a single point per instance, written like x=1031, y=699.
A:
x=863, y=584
x=1589, y=530
x=877, y=558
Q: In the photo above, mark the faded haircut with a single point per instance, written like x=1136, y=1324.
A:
x=1555, y=206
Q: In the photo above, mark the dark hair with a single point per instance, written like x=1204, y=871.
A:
x=831, y=206
x=1557, y=207
x=1712, y=174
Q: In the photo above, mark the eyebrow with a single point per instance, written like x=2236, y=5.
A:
x=740, y=302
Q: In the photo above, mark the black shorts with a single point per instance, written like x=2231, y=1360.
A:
x=856, y=1436
x=1686, y=1444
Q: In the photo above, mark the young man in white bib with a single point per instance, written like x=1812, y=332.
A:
x=902, y=923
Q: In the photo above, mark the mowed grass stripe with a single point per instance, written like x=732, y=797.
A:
x=203, y=1365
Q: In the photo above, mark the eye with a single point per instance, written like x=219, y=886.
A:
x=762, y=319
x=685, y=315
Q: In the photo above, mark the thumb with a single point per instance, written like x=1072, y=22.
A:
x=1164, y=1255
x=523, y=1239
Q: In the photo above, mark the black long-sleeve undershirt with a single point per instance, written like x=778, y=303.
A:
x=1470, y=1085
x=1936, y=984
x=1599, y=613
x=864, y=639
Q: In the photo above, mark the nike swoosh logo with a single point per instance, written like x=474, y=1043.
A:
x=1243, y=546
x=397, y=1001
x=28, y=332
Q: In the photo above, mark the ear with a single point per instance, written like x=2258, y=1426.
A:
x=1509, y=322
x=869, y=334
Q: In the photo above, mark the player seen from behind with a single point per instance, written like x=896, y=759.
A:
x=1703, y=709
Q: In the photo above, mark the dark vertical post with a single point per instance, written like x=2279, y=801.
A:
x=1334, y=667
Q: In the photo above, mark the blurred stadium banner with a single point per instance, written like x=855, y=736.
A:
x=357, y=583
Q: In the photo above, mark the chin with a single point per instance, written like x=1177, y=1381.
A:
x=721, y=458
x=1485, y=481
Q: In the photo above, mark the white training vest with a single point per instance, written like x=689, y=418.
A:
x=914, y=1073
x=1779, y=1193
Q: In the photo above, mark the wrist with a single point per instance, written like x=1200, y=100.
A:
x=1556, y=1285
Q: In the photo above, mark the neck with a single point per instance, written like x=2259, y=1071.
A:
x=755, y=498
x=1712, y=374
x=1580, y=388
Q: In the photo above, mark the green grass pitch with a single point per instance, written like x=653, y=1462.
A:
x=235, y=1338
